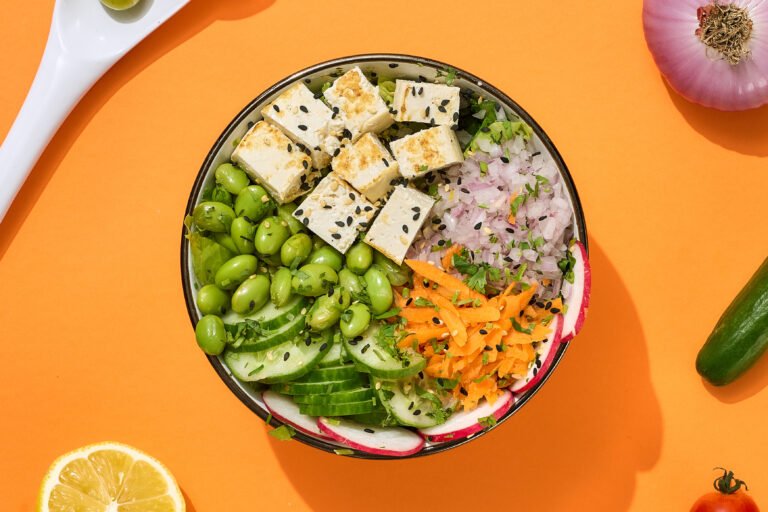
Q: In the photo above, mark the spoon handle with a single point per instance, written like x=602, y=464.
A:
x=60, y=82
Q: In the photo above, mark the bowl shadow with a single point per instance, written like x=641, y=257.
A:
x=192, y=19
x=745, y=131
x=596, y=423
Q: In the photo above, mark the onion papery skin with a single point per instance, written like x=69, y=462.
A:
x=694, y=70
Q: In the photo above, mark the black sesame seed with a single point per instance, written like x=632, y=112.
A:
x=290, y=148
x=393, y=65
x=304, y=109
x=478, y=225
x=323, y=346
x=483, y=332
x=354, y=342
x=445, y=102
x=538, y=363
x=510, y=230
x=308, y=341
x=327, y=207
x=435, y=320
x=487, y=348
x=416, y=209
x=365, y=348
x=432, y=121
x=500, y=348
x=386, y=163
x=441, y=227
x=336, y=236
x=535, y=371
x=277, y=109
x=455, y=116
x=409, y=301
x=426, y=112
x=548, y=305
x=349, y=220
x=463, y=391
x=302, y=127
x=305, y=186
x=413, y=91
x=298, y=212
x=286, y=356
x=357, y=210
x=307, y=80
x=435, y=220
x=465, y=190
x=352, y=196
x=368, y=208
x=405, y=228
x=505, y=159
x=346, y=134
x=305, y=221
x=369, y=430
x=364, y=224
x=340, y=223
x=555, y=310
x=417, y=412
x=305, y=164
x=508, y=259
x=543, y=217
x=416, y=217
x=540, y=305
x=458, y=181
x=442, y=109
x=250, y=124
x=441, y=243
x=411, y=406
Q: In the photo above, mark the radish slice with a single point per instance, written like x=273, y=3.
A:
x=394, y=441
x=464, y=424
x=546, y=354
x=578, y=301
x=284, y=409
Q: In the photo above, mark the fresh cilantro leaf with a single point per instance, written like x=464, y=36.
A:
x=487, y=421
x=424, y=303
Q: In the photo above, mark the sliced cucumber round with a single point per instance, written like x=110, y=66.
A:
x=269, y=339
x=330, y=373
x=312, y=388
x=379, y=416
x=348, y=409
x=410, y=403
x=285, y=362
x=372, y=355
x=339, y=397
x=270, y=316
x=335, y=356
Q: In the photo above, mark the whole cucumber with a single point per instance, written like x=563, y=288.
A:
x=740, y=336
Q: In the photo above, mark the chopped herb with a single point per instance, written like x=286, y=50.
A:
x=483, y=168
x=343, y=451
x=424, y=303
x=283, y=433
x=520, y=328
x=388, y=314
x=487, y=421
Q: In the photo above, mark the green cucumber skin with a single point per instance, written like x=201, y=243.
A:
x=308, y=388
x=740, y=336
x=339, y=397
x=348, y=409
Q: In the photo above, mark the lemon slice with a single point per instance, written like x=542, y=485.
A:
x=109, y=477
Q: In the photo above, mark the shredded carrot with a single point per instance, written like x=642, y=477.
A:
x=413, y=314
x=447, y=260
x=478, y=315
x=452, y=319
x=432, y=273
x=512, y=218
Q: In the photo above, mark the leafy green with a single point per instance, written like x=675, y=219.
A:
x=566, y=266
x=207, y=256
x=449, y=74
x=424, y=303
x=497, y=132
x=388, y=314
x=519, y=328
x=487, y=421
x=386, y=89
x=283, y=433
x=478, y=274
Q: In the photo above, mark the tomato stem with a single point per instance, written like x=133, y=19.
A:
x=728, y=483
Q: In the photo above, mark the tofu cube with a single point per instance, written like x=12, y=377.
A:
x=306, y=120
x=272, y=159
x=358, y=104
x=399, y=222
x=426, y=103
x=335, y=212
x=427, y=150
x=368, y=166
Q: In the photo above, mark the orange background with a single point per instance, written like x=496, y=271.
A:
x=96, y=341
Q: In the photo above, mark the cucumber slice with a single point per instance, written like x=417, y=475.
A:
x=334, y=357
x=339, y=397
x=378, y=417
x=269, y=339
x=312, y=388
x=331, y=373
x=285, y=362
x=367, y=353
x=348, y=409
x=410, y=403
x=270, y=316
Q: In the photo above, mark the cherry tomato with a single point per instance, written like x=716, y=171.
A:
x=728, y=498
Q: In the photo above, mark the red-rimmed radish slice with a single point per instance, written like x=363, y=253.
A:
x=546, y=354
x=463, y=424
x=578, y=301
x=285, y=410
x=394, y=441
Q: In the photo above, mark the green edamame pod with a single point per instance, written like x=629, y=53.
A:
x=327, y=255
x=254, y=203
x=211, y=300
x=213, y=216
x=359, y=258
x=231, y=178
x=235, y=271
x=226, y=240
x=251, y=295
x=281, y=292
x=379, y=290
x=398, y=275
x=313, y=280
x=243, y=233
x=285, y=212
x=355, y=320
x=351, y=282
x=327, y=309
x=220, y=195
x=211, y=335
x=271, y=235
x=295, y=250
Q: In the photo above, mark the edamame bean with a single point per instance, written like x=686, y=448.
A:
x=251, y=295
x=271, y=235
x=226, y=240
x=235, y=271
x=233, y=179
x=285, y=212
x=220, y=194
x=327, y=255
x=398, y=275
x=359, y=258
x=296, y=249
x=313, y=280
x=379, y=290
x=213, y=216
x=351, y=282
x=212, y=300
x=355, y=320
x=280, y=292
x=317, y=242
x=327, y=309
x=254, y=203
x=211, y=335
x=243, y=233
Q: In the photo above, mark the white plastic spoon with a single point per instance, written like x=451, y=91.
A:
x=84, y=41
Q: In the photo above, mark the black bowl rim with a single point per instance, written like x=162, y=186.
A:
x=328, y=65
